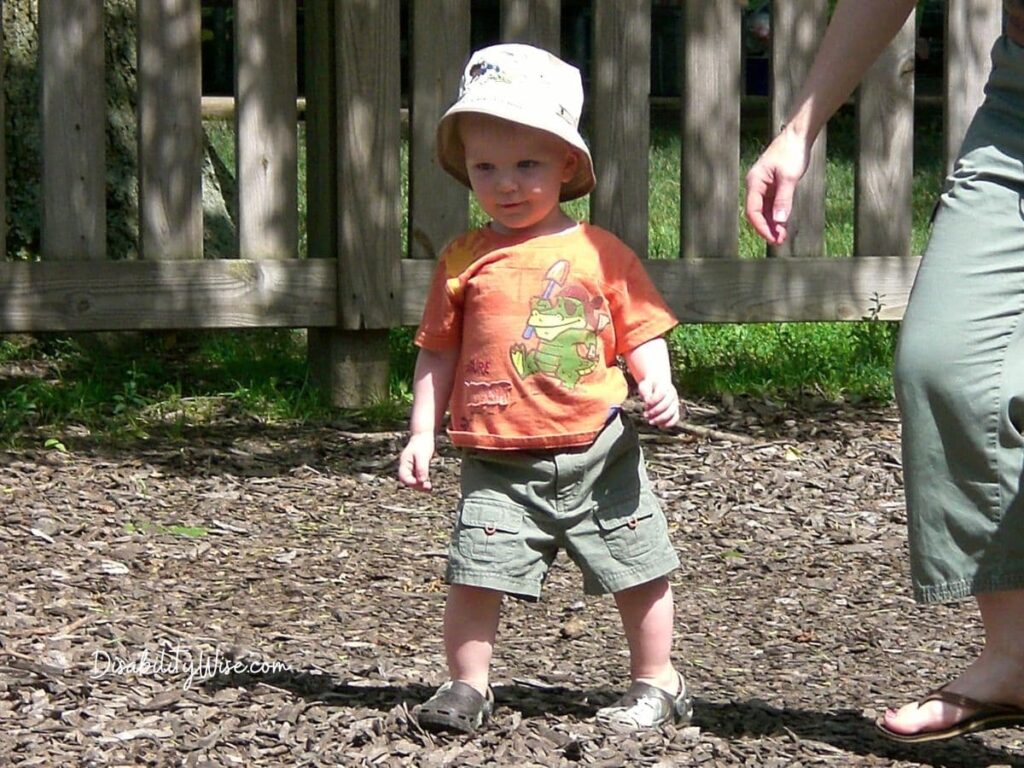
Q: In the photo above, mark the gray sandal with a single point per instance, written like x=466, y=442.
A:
x=644, y=706
x=456, y=706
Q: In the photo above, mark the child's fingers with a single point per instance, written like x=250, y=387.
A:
x=414, y=471
x=423, y=474
x=661, y=403
x=664, y=414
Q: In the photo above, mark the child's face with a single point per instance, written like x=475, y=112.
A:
x=517, y=173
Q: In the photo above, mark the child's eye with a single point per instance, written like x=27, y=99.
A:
x=528, y=164
x=483, y=166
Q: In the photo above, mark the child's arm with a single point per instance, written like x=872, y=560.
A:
x=650, y=366
x=431, y=388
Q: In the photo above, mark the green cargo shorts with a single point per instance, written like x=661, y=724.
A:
x=519, y=508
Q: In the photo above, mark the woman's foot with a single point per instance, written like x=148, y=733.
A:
x=988, y=694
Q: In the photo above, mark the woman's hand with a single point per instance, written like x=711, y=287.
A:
x=771, y=184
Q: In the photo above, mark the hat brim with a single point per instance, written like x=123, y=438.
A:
x=452, y=157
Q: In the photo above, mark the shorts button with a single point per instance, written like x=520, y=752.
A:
x=632, y=523
x=490, y=530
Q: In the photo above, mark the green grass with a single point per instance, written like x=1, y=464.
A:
x=786, y=360
x=53, y=389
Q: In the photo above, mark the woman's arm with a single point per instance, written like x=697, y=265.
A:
x=856, y=36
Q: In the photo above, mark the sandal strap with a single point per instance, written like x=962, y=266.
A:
x=641, y=690
x=966, y=702
x=461, y=700
x=464, y=693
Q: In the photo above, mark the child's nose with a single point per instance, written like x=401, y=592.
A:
x=506, y=182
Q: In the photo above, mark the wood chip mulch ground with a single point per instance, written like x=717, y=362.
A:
x=259, y=595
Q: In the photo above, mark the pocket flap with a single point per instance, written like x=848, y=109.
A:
x=491, y=517
x=611, y=516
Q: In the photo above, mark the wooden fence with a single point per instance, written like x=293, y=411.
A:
x=356, y=283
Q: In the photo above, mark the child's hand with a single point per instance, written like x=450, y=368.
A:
x=661, y=403
x=414, y=463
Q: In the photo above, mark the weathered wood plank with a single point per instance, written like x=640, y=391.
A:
x=350, y=361
x=266, y=158
x=797, y=28
x=3, y=154
x=883, y=204
x=972, y=26
x=439, y=206
x=140, y=295
x=367, y=35
x=776, y=290
x=621, y=138
x=710, y=154
x=350, y=367
x=719, y=290
x=537, y=22
x=77, y=296
x=170, y=129
x=73, y=122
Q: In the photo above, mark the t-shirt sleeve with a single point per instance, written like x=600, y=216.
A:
x=441, y=324
x=638, y=310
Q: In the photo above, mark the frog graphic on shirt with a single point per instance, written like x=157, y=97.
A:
x=566, y=327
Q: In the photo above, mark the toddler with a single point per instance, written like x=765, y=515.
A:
x=519, y=338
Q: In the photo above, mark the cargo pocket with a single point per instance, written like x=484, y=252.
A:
x=488, y=533
x=629, y=528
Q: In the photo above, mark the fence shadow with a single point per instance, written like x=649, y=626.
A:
x=845, y=729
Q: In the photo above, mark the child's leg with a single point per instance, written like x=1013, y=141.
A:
x=647, y=616
x=470, y=626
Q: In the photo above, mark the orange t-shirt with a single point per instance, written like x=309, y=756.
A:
x=538, y=323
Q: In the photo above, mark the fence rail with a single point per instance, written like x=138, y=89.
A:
x=357, y=284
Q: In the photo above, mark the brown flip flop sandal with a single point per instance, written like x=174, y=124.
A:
x=986, y=716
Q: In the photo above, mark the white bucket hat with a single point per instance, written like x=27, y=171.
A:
x=524, y=85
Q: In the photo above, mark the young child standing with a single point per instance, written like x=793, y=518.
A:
x=519, y=338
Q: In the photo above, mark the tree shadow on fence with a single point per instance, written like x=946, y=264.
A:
x=21, y=88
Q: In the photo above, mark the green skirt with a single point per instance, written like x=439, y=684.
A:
x=960, y=362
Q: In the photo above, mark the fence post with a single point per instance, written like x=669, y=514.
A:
x=3, y=156
x=266, y=129
x=797, y=28
x=438, y=205
x=971, y=28
x=537, y=22
x=351, y=360
x=883, y=202
x=622, y=84
x=73, y=122
x=170, y=129
x=710, y=155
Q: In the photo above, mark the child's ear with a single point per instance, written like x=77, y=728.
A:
x=572, y=164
